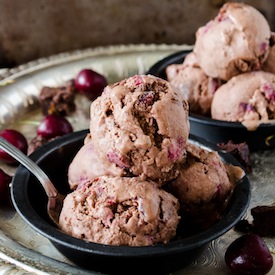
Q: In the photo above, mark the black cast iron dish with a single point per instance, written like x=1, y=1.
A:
x=30, y=202
x=218, y=131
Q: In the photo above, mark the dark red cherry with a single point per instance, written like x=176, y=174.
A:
x=249, y=255
x=53, y=126
x=5, y=180
x=90, y=83
x=15, y=138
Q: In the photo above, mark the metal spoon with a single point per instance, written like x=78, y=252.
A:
x=55, y=199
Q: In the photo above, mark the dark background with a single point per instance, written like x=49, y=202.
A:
x=30, y=29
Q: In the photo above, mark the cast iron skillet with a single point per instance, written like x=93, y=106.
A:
x=218, y=131
x=30, y=202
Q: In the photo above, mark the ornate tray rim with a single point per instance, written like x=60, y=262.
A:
x=42, y=63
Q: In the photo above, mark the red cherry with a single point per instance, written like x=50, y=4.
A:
x=53, y=126
x=5, y=180
x=250, y=255
x=90, y=83
x=15, y=138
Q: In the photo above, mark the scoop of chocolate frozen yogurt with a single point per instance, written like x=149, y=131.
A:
x=141, y=125
x=203, y=187
x=120, y=211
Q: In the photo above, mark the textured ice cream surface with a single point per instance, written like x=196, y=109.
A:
x=193, y=84
x=236, y=41
x=120, y=211
x=141, y=124
x=172, y=70
x=89, y=164
x=245, y=98
x=269, y=64
x=203, y=188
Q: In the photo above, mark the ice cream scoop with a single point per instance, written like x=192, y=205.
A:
x=203, y=187
x=247, y=98
x=88, y=164
x=193, y=84
x=141, y=125
x=120, y=211
x=236, y=41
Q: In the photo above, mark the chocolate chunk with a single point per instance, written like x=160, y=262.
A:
x=240, y=151
x=264, y=220
x=37, y=142
x=57, y=100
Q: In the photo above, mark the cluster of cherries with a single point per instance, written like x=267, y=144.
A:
x=87, y=82
x=246, y=255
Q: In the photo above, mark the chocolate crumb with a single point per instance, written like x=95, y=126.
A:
x=58, y=100
x=37, y=142
x=264, y=220
x=240, y=151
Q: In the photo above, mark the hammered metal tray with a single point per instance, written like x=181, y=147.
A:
x=24, y=251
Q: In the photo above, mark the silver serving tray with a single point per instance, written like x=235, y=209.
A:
x=22, y=250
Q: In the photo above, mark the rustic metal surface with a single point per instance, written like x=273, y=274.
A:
x=22, y=250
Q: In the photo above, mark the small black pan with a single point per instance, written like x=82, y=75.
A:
x=30, y=201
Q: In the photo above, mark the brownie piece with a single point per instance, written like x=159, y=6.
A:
x=264, y=220
x=243, y=226
x=36, y=143
x=58, y=100
x=240, y=151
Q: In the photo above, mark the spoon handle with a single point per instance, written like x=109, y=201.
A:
x=30, y=165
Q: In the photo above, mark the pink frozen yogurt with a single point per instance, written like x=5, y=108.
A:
x=248, y=98
x=236, y=41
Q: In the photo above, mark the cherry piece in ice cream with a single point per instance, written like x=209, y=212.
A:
x=249, y=255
